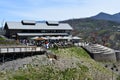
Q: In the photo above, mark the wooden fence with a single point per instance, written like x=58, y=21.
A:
x=14, y=49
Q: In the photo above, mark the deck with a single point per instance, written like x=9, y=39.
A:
x=9, y=53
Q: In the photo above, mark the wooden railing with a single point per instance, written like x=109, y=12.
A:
x=12, y=49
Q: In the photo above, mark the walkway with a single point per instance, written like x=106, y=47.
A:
x=9, y=53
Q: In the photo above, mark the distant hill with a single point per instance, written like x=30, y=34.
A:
x=90, y=25
x=102, y=30
x=105, y=16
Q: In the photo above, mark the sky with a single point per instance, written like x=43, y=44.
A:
x=55, y=10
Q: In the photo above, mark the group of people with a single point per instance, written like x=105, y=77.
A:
x=46, y=43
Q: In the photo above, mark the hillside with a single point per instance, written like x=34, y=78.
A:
x=100, y=31
x=72, y=64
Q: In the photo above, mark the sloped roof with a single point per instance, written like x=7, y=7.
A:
x=38, y=26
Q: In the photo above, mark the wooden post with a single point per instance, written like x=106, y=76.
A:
x=3, y=59
x=0, y=50
x=20, y=49
x=7, y=50
x=26, y=49
x=13, y=49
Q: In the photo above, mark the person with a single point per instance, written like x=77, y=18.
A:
x=46, y=44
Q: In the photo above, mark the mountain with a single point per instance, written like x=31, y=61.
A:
x=105, y=16
x=87, y=28
x=117, y=15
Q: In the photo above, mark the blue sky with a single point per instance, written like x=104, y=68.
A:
x=16, y=10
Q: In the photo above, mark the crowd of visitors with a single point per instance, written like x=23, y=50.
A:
x=47, y=43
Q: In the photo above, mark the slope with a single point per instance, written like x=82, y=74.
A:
x=73, y=64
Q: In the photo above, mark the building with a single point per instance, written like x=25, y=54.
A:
x=28, y=28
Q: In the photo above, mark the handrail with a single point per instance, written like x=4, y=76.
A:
x=7, y=49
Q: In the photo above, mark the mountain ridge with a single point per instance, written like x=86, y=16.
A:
x=106, y=16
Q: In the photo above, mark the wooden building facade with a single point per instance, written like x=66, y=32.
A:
x=27, y=28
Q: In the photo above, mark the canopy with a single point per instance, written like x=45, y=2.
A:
x=35, y=37
x=59, y=37
x=67, y=37
x=40, y=38
x=53, y=37
x=76, y=37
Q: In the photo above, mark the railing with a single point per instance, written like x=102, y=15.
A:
x=9, y=49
